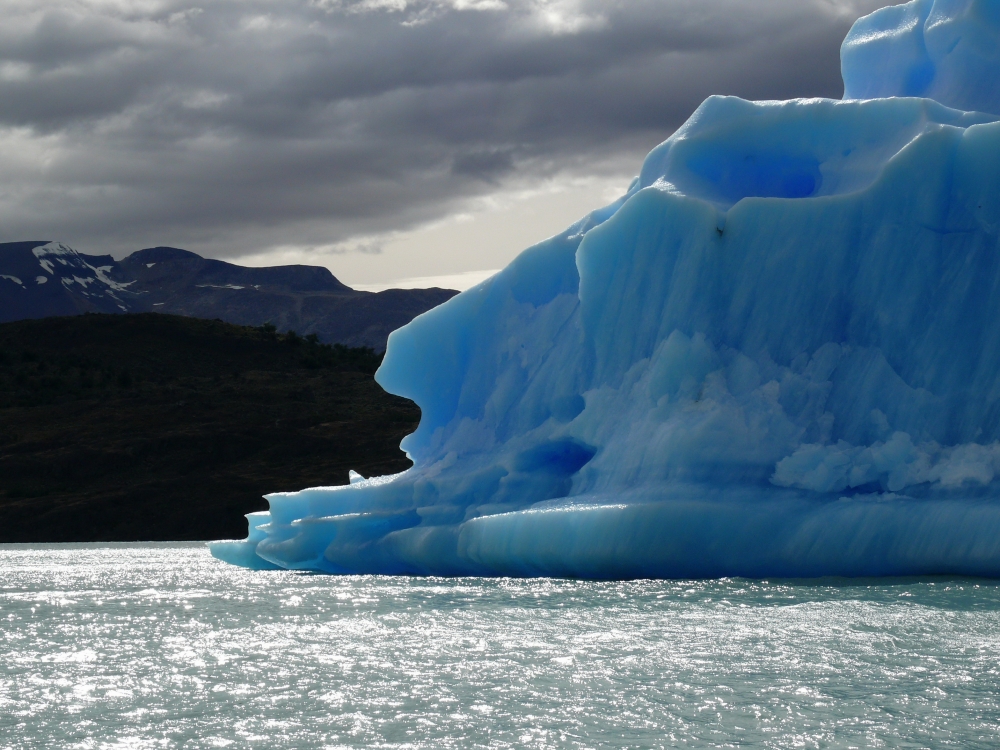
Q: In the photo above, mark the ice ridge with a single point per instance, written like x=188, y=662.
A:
x=778, y=354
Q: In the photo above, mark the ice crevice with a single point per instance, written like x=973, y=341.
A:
x=778, y=354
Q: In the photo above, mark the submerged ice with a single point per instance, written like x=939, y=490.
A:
x=778, y=354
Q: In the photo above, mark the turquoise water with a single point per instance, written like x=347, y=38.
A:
x=160, y=646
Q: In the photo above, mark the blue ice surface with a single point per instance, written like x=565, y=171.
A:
x=946, y=50
x=778, y=354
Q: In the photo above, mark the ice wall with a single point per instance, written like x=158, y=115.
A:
x=777, y=355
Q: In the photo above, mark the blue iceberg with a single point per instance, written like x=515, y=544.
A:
x=778, y=354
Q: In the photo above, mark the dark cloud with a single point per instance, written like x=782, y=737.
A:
x=233, y=126
x=487, y=164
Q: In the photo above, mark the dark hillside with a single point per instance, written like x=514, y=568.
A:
x=158, y=427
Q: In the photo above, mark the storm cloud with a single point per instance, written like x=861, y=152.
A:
x=235, y=126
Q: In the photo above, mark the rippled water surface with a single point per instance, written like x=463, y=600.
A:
x=161, y=646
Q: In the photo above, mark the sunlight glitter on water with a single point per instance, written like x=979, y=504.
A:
x=160, y=646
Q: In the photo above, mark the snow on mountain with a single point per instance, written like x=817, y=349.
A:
x=307, y=299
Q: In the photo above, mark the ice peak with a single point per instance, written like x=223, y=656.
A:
x=946, y=50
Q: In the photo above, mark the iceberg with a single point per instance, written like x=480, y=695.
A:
x=777, y=355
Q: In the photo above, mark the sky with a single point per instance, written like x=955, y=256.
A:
x=397, y=142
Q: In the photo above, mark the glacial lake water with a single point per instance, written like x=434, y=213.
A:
x=161, y=646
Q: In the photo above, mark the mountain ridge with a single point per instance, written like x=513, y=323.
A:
x=40, y=279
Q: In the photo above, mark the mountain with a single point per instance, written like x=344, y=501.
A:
x=160, y=427
x=40, y=279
